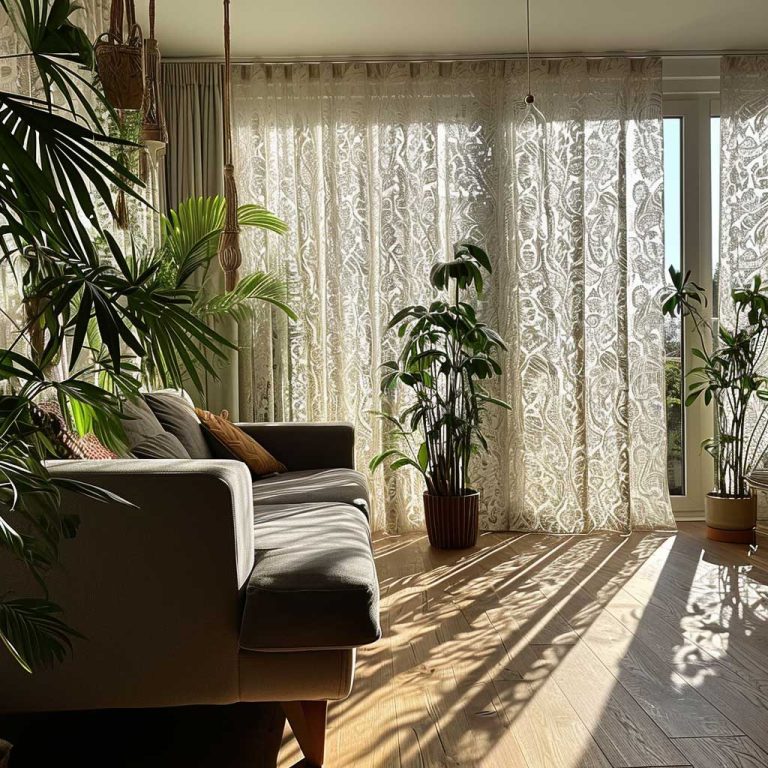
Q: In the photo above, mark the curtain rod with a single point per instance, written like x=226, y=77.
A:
x=446, y=57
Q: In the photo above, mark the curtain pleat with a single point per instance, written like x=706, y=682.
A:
x=378, y=169
x=192, y=95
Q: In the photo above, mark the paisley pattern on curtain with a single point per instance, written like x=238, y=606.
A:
x=743, y=173
x=743, y=194
x=378, y=170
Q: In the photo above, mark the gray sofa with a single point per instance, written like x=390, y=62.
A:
x=214, y=588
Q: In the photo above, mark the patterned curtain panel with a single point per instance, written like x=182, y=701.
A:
x=743, y=190
x=743, y=172
x=379, y=169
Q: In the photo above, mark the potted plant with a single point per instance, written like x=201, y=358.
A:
x=446, y=354
x=731, y=378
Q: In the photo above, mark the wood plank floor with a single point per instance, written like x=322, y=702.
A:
x=534, y=651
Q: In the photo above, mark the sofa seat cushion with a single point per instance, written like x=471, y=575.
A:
x=313, y=583
x=345, y=486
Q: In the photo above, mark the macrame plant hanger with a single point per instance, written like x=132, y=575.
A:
x=154, y=135
x=230, y=257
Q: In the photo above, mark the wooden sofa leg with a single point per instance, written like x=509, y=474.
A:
x=308, y=720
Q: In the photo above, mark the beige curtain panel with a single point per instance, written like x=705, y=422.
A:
x=193, y=100
x=378, y=170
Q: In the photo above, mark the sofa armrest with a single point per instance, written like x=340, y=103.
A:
x=198, y=486
x=307, y=445
x=155, y=588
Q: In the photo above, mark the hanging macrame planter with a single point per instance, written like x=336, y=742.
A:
x=120, y=59
x=230, y=257
x=154, y=135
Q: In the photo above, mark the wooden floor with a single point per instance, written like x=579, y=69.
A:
x=534, y=651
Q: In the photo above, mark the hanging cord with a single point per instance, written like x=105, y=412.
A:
x=230, y=257
x=152, y=18
x=227, y=88
x=529, y=97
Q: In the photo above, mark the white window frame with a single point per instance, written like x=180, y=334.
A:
x=696, y=256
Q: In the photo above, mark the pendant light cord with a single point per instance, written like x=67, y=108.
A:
x=152, y=18
x=529, y=97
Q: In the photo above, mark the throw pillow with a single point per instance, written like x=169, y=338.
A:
x=180, y=420
x=229, y=441
x=66, y=443
x=139, y=422
x=163, y=445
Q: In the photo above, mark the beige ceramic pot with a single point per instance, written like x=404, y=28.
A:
x=730, y=520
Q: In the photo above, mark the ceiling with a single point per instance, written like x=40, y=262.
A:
x=372, y=28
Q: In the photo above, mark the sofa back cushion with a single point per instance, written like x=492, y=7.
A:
x=177, y=417
x=228, y=441
x=139, y=423
x=163, y=445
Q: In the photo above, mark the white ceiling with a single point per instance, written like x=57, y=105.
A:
x=306, y=28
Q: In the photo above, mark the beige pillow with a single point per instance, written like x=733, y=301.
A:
x=237, y=443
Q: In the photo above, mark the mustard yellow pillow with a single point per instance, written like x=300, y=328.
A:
x=238, y=444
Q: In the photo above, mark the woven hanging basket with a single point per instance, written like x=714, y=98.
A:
x=120, y=60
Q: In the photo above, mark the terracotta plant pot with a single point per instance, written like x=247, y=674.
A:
x=730, y=520
x=452, y=521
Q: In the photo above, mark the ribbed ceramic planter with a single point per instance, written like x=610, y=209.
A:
x=730, y=520
x=452, y=521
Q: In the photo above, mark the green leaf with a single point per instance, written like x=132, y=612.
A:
x=33, y=633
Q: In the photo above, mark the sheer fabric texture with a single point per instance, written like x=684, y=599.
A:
x=743, y=171
x=378, y=170
x=744, y=198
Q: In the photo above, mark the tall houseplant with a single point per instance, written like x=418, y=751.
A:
x=59, y=167
x=447, y=353
x=731, y=378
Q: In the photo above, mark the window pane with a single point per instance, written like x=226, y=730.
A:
x=673, y=245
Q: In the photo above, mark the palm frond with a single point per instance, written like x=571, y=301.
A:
x=32, y=631
x=58, y=49
x=191, y=233
x=239, y=303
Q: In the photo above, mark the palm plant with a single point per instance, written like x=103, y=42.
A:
x=446, y=354
x=93, y=306
x=189, y=242
x=730, y=376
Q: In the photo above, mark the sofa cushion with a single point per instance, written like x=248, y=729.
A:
x=161, y=446
x=313, y=584
x=345, y=486
x=139, y=422
x=178, y=418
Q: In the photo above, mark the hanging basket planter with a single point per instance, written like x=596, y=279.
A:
x=120, y=60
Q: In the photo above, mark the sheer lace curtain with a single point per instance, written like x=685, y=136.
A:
x=378, y=170
x=743, y=189
x=743, y=172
